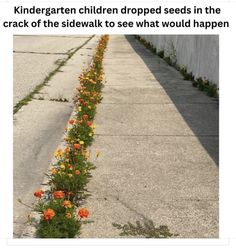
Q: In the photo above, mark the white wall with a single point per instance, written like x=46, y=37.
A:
x=199, y=53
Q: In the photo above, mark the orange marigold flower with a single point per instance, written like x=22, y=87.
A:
x=85, y=116
x=48, y=214
x=67, y=149
x=89, y=123
x=38, y=193
x=83, y=213
x=67, y=204
x=58, y=194
x=54, y=170
x=72, y=121
x=81, y=101
x=70, y=166
x=77, y=172
x=77, y=146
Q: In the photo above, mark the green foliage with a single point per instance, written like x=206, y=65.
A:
x=80, y=133
x=203, y=85
x=146, y=230
x=161, y=53
x=184, y=72
x=168, y=60
x=58, y=227
x=206, y=86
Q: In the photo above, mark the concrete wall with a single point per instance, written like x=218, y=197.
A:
x=199, y=53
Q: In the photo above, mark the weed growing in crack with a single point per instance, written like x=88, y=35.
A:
x=145, y=230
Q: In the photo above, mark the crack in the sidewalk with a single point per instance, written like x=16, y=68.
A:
x=165, y=103
x=34, y=52
x=154, y=135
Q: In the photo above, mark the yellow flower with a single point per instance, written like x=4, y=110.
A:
x=68, y=215
x=62, y=166
x=70, y=175
x=58, y=153
x=67, y=204
x=90, y=134
x=81, y=142
x=93, y=126
x=89, y=107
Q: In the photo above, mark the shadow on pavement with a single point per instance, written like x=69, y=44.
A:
x=199, y=111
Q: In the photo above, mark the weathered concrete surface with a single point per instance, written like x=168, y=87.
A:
x=36, y=56
x=37, y=132
x=57, y=88
x=38, y=128
x=159, y=148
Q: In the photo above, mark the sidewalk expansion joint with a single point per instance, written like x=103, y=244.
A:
x=165, y=103
x=32, y=52
x=155, y=135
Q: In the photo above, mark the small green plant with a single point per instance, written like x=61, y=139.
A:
x=161, y=53
x=203, y=85
x=168, y=60
x=59, y=99
x=207, y=86
x=59, y=220
x=183, y=70
x=212, y=90
x=145, y=230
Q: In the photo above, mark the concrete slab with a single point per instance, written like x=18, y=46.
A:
x=154, y=178
x=152, y=95
x=35, y=57
x=47, y=43
x=158, y=141
x=58, y=89
x=154, y=119
x=30, y=71
x=38, y=128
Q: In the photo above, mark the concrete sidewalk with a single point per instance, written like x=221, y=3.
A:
x=38, y=129
x=158, y=138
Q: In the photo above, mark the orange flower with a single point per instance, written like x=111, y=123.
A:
x=38, y=193
x=77, y=146
x=69, y=193
x=67, y=204
x=48, y=214
x=85, y=116
x=77, y=172
x=70, y=166
x=58, y=194
x=53, y=171
x=83, y=213
x=72, y=121
x=89, y=123
x=81, y=101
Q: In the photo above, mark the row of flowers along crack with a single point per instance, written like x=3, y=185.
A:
x=60, y=205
